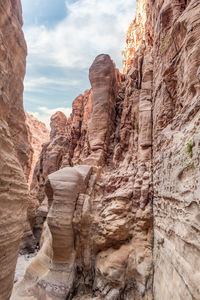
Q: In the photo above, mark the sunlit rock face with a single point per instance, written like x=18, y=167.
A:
x=136, y=35
x=14, y=146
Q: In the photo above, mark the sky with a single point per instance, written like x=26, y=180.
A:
x=63, y=39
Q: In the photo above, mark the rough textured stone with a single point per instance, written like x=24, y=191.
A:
x=103, y=78
x=12, y=55
x=14, y=147
x=39, y=135
x=109, y=251
x=62, y=188
x=140, y=134
x=176, y=150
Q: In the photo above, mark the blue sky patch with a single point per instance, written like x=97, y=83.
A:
x=63, y=38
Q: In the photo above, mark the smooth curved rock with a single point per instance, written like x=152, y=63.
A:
x=62, y=188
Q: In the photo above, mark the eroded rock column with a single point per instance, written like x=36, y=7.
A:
x=104, y=79
x=62, y=188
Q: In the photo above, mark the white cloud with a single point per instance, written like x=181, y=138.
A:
x=38, y=83
x=44, y=114
x=91, y=27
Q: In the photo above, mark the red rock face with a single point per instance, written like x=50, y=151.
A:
x=58, y=124
x=39, y=135
x=124, y=168
x=104, y=81
x=176, y=138
x=108, y=228
x=14, y=146
x=175, y=54
x=11, y=82
x=135, y=36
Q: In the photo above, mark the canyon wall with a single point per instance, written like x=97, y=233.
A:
x=39, y=135
x=117, y=185
x=176, y=140
x=176, y=95
x=14, y=145
x=13, y=54
x=96, y=180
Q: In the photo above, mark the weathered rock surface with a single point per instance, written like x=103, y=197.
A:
x=49, y=162
x=14, y=147
x=12, y=55
x=176, y=95
x=62, y=188
x=130, y=139
x=104, y=80
x=39, y=135
x=109, y=253
x=176, y=137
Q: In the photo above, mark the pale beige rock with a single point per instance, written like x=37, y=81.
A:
x=62, y=188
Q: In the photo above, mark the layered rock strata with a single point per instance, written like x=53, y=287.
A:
x=109, y=254
x=176, y=93
x=39, y=135
x=176, y=138
x=73, y=140
x=131, y=139
x=14, y=147
x=13, y=53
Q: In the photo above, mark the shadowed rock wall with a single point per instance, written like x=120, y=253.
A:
x=175, y=52
x=39, y=135
x=176, y=138
x=14, y=147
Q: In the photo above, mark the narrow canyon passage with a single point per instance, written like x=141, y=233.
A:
x=111, y=194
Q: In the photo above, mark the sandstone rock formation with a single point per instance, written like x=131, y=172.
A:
x=14, y=147
x=109, y=254
x=39, y=135
x=119, y=179
x=13, y=53
x=104, y=80
x=176, y=137
x=175, y=51
x=49, y=162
